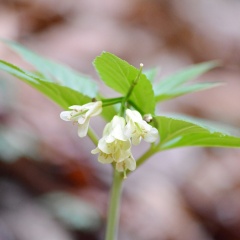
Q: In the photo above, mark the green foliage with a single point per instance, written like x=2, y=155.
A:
x=66, y=87
x=174, y=85
x=63, y=96
x=119, y=75
x=183, y=131
x=56, y=73
x=109, y=112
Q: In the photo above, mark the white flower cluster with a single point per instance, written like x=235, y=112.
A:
x=115, y=145
x=118, y=135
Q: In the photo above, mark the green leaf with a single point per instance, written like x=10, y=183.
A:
x=184, y=131
x=170, y=87
x=108, y=113
x=119, y=75
x=183, y=90
x=63, y=96
x=55, y=72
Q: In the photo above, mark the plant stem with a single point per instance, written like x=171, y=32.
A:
x=134, y=83
x=92, y=136
x=113, y=210
x=111, y=101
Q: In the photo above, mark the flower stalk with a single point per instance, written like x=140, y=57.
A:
x=92, y=135
x=134, y=82
x=114, y=205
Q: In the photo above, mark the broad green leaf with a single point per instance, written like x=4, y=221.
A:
x=119, y=75
x=55, y=72
x=173, y=83
x=63, y=96
x=183, y=90
x=182, y=132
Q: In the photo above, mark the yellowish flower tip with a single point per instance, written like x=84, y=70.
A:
x=141, y=65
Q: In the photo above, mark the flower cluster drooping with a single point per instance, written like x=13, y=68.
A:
x=115, y=145
x=118, y=135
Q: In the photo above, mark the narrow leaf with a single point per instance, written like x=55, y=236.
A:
x=182, y=132
x=61, y=95
x=169, y=84
x=119, y=75
x=183, y=90
x=55, y=72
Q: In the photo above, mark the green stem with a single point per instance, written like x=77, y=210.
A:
x=92, y=136
x=111, y=101
x=114, y=205
x=134, y=82
x=125, y=99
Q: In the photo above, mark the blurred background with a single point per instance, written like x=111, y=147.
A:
x=52, y=188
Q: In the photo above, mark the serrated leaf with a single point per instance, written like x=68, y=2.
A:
x=61, y=95
x=55, y=72
x=119, y=75
x=183, y=90
x=173, y=83
x=183, y=132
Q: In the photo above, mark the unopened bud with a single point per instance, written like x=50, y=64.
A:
x=147, y=117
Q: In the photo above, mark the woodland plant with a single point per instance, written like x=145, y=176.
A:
x=130, y=117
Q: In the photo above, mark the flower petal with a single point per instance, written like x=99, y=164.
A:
x=130, y=163
x=83, y=128
x=95, y=151
x=105, y=158
x=81, y=119
x=136, y=139
x=152, y=135
x=65, y=115
x=94, y=108
x=76, y=107
x=105, y=147
x=120, y=166
x=133, y=115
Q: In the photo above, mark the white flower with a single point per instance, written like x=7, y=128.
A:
x=114, y=145
x=137, y=128
x=82, y=115
x=128, y=163
x=114, y=151
x=115, y=130
x=102, y=156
